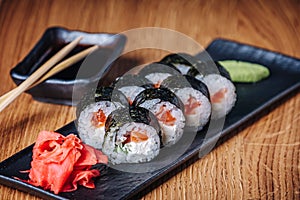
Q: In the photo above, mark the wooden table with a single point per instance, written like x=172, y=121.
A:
x=261, y=162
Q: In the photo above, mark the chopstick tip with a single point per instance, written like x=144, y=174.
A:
x=95, y=47
x=79, y=38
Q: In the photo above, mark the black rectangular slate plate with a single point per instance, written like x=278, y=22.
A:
x=252, y=100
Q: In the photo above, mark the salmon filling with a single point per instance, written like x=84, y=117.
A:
x=98, y=119
x=165, y=116
x=135, y=136
x=191, y=105
x=219, y=96
x=157, y=85
x=129, y=101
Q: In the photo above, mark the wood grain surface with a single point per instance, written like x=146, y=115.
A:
x=260, y=162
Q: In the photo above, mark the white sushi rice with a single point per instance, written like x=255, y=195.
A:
x=131, y=152
x=201, y=113
x=90, y=134
x=215, y=83
x=170, y=133
x=157, y=78
x=199, y=77
x=182, y=68
x=131, y=91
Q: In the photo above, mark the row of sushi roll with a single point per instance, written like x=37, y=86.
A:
x=142, y=113
x=213, y=75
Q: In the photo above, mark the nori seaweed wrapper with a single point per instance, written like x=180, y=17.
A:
x=177, y=82
x=183, y=59
x=223, y=71
x=196, y=66
x=157, y=68
x=174, y=82
x=130, y=80
x=210, y=67
x=179, y=58
x=123, y=116
x=198, y=85
x=101, y=94
x=164, y=94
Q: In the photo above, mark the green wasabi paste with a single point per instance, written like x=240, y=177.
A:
x=245, y=72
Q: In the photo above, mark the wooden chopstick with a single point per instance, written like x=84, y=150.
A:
x=57, y=68
x=66, y=63
x=37, y=74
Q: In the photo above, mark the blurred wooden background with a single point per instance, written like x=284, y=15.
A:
x=261, y=162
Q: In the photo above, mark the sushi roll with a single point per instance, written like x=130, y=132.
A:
x=217, y=79
x=205, y=68
x=222, y=90
x=157, y=72
x=101, y=94
x=131, y=85
x=132, y=136
x=167, y=108
x=93, y=112
x=195, y=97
x=182, y=62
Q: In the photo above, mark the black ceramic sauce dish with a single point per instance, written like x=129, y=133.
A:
x=58, y=89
